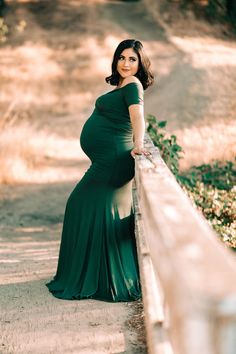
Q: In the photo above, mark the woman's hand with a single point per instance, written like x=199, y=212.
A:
x=139, y=150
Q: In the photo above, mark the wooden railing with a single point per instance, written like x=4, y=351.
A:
x=188, y=275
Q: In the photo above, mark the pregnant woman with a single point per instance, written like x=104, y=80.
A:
x=97, y=258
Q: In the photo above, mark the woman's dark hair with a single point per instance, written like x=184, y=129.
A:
x=143, y=74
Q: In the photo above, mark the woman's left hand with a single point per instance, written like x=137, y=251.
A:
x=140, y=151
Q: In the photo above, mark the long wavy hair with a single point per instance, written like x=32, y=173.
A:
x=144, y=74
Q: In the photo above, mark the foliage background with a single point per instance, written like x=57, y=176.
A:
x=211, y=187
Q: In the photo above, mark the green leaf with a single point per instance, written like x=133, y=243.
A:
x=162, y=124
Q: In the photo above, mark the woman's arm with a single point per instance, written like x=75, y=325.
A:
x=138, y=123
x=134, y=100
x=136, y=113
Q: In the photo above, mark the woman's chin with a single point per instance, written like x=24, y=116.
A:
x=124, y=75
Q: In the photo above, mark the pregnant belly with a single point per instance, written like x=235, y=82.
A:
x=100, y=138
x=108, y=147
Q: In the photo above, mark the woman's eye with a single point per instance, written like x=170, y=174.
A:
x=131, y=59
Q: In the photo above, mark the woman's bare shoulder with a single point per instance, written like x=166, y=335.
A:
x=131, y=79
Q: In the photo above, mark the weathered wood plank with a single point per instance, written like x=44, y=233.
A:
x=195, y=269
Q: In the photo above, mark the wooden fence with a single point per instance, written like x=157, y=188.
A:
x=188, y=275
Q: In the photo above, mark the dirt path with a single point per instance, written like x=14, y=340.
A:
x=51, y=71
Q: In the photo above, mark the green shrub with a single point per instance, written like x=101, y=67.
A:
x=210, y=186
x=169, y=149
x=219, y=175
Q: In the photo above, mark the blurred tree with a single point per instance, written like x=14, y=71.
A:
x=2, y=5
x=213, y=9
x=231, y=10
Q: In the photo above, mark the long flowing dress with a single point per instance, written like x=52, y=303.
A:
x=98, y=257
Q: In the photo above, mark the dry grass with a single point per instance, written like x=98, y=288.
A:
x=136, y=322
x=212, y=134
x=29, y=155
x=204, y=144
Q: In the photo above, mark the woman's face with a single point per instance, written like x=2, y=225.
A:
x=128, y=63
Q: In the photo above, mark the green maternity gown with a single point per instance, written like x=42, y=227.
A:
x=97, y=257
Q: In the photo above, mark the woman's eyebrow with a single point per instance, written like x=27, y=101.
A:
x=129, y=57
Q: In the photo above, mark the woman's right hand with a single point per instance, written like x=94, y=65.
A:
x=139, y=150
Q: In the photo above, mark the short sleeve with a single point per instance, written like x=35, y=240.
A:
x=133, y=93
